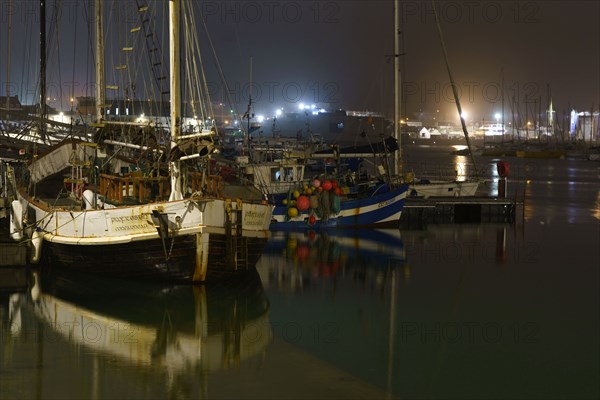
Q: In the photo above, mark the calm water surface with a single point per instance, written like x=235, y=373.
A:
x=485, y=311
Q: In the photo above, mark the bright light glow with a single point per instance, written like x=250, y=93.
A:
x=260, y=118
x=301, y=106
x=497, y=116
x=464, y=115
x=278, y=112
x=143, y=115
x=312, y=107
x=62, y=114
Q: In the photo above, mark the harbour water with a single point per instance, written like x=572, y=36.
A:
x=460, y=311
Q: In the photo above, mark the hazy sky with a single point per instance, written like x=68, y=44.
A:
x=333, y=53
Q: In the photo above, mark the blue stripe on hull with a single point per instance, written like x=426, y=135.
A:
x=388, y=215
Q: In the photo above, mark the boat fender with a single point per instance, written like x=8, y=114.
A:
x=503, y=168
x=16, y=220
x=36, y=246
x=29, y=221
x=88, y=199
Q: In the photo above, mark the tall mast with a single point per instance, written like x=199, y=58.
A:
x=502, y=72
x=175, y=89
x=454, y=87
x=43, y=109
x=397, y=154
x=100, y=82
x=250, y=98
x=174, y=51
x=8, y=55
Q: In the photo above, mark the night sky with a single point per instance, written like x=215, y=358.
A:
x=333, y=53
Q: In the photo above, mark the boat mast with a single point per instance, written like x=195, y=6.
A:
x=175, y=89
x=454, y=88
x=502, y=127
x=398, y=153
x=8, y=56
x=43, y=109
x=100, y=82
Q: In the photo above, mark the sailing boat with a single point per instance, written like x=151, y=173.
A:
x=167, y=218
x=425, y=187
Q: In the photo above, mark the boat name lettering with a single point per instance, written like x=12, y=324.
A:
x=254, y=217
x=130, y=218
x=384, y=203
x=131, y=227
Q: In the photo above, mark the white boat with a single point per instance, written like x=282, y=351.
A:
x=425, y=188
x=180, y=224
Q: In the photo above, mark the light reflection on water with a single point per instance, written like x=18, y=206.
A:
x=452, y=311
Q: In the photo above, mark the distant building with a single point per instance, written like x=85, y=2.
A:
x=86, y=105
x=13, y=103
x=585, y=125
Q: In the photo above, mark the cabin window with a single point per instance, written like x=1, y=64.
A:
x=275, y=175
x=288, y=173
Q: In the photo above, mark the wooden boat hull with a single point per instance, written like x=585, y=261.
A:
x=378, y=210
x=190, y=240
x=151, y=260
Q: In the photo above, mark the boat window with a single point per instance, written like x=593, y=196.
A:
x=289, y=173
x=275, y=175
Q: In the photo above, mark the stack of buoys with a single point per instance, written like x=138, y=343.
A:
x=319, y=199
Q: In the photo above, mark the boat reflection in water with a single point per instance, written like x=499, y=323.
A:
x=174, y=329
x=293, y=259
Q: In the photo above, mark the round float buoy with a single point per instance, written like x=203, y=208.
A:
x=316, y=183
x=327, y=185
x=292, y=212
x=302, y=203
x=312, y=220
